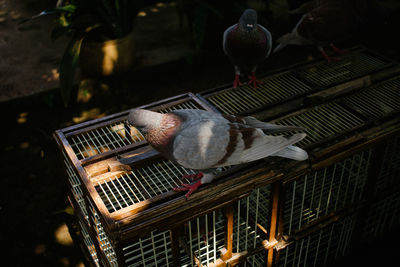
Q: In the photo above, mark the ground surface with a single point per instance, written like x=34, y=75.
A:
x=32, y=184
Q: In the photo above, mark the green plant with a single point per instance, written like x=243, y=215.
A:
x=97, y=20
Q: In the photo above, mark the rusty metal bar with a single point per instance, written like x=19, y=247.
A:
x=276, y=191
x=228, y=212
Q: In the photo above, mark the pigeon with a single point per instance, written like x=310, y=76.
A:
x=325, y=22
x=247, y=44
x=205, y=141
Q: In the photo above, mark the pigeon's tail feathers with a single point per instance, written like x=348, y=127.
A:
x=270, y=128
x=269, y=145
x=292, y=152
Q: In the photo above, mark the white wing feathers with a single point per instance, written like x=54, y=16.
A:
x=215, y=142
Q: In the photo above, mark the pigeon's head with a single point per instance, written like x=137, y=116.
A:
x=248, y=20
x=144, y=120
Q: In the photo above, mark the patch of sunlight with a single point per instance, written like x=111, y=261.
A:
x=142, y=14
x=85, y=91
x=93, y=113
x=80, y=264
x=65, y=261
x=160, y=4
x=154, y=9
x=54, y=75
x=110, y=57
x=24, y=145
x=119, y=129
x=62, y=235
x=40, y=249
x=90, y=151
x=172, y=3
x=22, y=117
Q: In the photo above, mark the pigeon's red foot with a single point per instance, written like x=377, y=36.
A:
x=337, y=50
x=236, y=82
x=253, y=80
x=188, y=187
x=193, y=177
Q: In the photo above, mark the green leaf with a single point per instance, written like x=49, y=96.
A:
x=69, y=63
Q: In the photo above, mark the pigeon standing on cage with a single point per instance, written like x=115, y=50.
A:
x=247, y=44
x=204, y=140
x=325, y=22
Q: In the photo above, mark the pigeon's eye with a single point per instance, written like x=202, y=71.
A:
x=250, y=25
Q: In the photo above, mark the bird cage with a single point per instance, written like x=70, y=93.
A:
x=272, y=212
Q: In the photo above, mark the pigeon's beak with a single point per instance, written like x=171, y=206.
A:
x=249, y=26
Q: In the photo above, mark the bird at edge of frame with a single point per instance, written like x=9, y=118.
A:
x=205, y=141
x=247, y=44
x=325, y=22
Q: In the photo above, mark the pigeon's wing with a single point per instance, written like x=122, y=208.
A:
x=292, y=38
x=225, y=36
x=201, y=144
x=261, y=146
x=269, y=128
x=269, y=39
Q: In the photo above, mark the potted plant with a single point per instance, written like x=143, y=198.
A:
x=95, y=28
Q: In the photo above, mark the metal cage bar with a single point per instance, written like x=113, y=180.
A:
x=324, y=191
x=350, y=66
x=245, y=98
x=319, y=247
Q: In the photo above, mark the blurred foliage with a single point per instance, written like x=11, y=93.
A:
x=82, y=19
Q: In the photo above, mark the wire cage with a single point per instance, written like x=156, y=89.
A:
x=272, y=212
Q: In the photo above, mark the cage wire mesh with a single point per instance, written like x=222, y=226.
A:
x=382, y=216
x=142, y=183
x=318, y=248
x=250, y=221
x=389, y=173
x=286, y=85
x=87, y=241
x=322, y=122
x=114, y=135
x=205, y=235
x=76, y=187
x=245, y=98
x=350, y=66
x=101, y=235
x=152, y=250
x=326, y=190
x=377, y=100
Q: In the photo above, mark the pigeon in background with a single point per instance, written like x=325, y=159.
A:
x=325, y=22
x=247, y=43
x=204, y=141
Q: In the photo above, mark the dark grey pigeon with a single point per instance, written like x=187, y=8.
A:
x=247, y=44
x=203, y=140
x=325, y=22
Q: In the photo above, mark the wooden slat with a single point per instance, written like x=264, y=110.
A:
x=177, y=210
x=276, y=190
x=228, y=247
x=175, y=233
